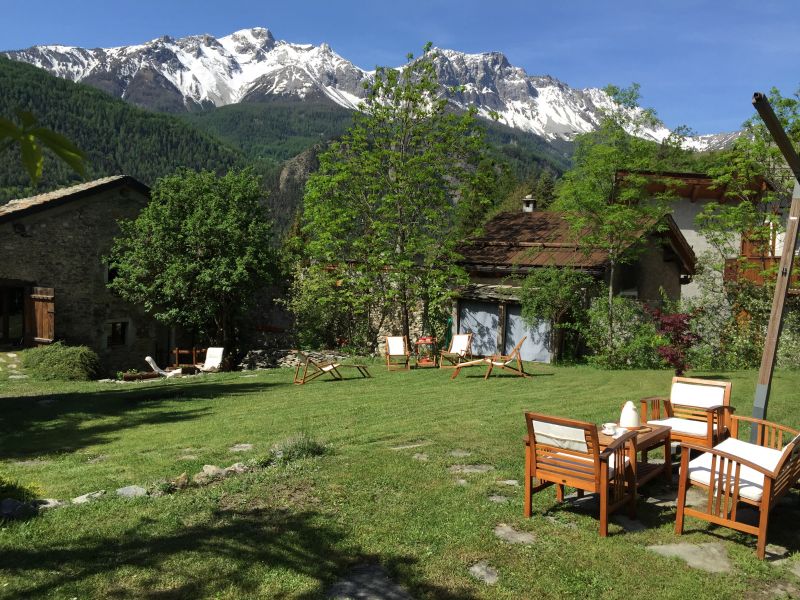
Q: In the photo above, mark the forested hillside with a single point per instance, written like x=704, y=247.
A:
x=116, y=137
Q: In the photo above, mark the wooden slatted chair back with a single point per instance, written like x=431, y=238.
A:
x=564, y=450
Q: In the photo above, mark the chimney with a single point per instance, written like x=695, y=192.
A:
x=528, y=204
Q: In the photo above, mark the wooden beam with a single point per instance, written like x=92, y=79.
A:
x=775, y=326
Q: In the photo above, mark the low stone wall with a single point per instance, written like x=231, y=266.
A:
x=277, y=358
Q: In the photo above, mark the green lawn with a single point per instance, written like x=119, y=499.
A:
x=292, y=531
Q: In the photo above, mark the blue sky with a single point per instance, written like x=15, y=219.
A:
x=698, y=62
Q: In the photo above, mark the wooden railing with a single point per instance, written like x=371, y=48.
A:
x=759, y=270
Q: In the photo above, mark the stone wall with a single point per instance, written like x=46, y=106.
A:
x=62, y=247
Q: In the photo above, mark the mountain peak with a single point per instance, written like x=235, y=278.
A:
x=250, y=65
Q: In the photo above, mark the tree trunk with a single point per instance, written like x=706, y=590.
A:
x=611, y=308
x=404, y=316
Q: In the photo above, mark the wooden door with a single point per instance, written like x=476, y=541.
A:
x=40, y=316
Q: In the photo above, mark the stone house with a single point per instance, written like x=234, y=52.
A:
x=53, y=278
x=514, y=244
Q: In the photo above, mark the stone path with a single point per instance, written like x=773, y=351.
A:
x=513, y=536
x=131, y=491
x=471, y=469
x=483, y=572
x=241, y=448
x=460, y=453
x=711, y=557
x=367, y=582
x=420, y=456
x=418, y=444
x=498, y=499
x=512, y=482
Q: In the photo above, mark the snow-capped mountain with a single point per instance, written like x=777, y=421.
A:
x=251, y=65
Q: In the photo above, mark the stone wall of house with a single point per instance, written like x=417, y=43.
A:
x=655, y=274
x=62, y=247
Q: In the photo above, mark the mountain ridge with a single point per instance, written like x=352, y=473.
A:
x=250, y=65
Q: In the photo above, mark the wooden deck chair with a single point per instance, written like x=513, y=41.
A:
x=174, y=373
x=563, y=452
x=397, y=354
x=697, y=411
x=313, y=369
x=505, y=361
x=213, y=360
x=459, y=351
x=501, y=361
x=735, y=473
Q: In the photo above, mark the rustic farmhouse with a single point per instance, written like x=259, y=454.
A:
x=514, y=244
x=53, y=278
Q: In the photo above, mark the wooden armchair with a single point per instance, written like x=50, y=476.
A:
x=697, y=410
x=397, y=354
x=459, y=351
x=736, y=472
x=563, y=452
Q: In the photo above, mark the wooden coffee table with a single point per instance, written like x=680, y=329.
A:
x=648, y=438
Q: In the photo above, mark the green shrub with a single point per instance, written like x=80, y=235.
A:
x=297, y=447
x=634, y=342
x=57, y=361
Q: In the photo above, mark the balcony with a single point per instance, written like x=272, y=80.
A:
x=759, y=270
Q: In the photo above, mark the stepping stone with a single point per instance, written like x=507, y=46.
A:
x=17, y=376
x=774, y=551
x=367, y=582
x=795, y=569
x=241, y=448
x=421, y=456
x=188, y=457
x=131, y=491
x=245, y=376
x=498, y=499
x=97, y=459
x=47, y=503
x=628, y=524
x=461, y=482
x=512, y=482
x=419, y=444
x=711, y=557
x=91, y=496
x=470, y=469
x=11, y=355
x=512, y=536
x=460, y=453
x=484, y=572
x=235, y=469
x=35, y=462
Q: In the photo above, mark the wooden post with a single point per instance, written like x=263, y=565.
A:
x=761, y=399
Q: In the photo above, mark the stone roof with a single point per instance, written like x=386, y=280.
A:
x=24, y=206
x=518, y=242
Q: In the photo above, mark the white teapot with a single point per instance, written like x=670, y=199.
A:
x=629, y=416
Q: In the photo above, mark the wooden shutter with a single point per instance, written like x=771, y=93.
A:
x=40, y=316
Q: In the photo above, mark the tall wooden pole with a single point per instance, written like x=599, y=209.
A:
x=775, y=326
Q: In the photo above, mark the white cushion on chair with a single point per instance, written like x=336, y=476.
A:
x=460, y=344
x=696, y=394
x=396, y=346
x=560, y=436
x=687, y=426
x=751, y=482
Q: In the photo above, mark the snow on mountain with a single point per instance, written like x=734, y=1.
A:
x=250, y=65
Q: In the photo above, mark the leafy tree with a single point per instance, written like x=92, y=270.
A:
x=198, y=253
x=559, y=296
x=608, y=212
x=380, y=211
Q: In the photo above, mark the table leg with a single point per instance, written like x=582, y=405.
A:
x=668, y=459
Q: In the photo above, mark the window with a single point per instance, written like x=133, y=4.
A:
x=118, y=334
x=111, y=274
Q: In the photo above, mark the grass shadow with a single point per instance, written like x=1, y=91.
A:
x=247, y=547
x=63, y=422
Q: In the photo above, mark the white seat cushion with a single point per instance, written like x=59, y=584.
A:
x=687, y=426
x=751, y=482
